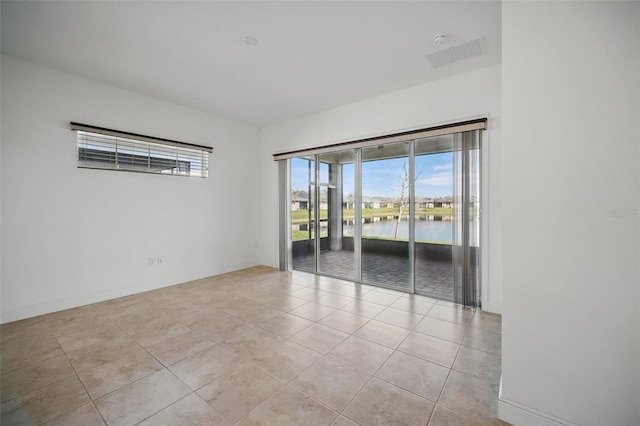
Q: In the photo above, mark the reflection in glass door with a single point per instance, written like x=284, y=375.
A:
x=385, y=212
x=332, y=252
x=434, y=209
x=303, y=213
x=336, y=206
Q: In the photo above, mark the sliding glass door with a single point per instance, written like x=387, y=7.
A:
x=336, y=255
x=385, y=212
x=403, y=215
x=302, y=206
x=434, y=213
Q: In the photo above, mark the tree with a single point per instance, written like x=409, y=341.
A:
x=402, y=200
x=401, y=203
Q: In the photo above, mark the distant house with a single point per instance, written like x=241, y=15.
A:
x=299, y=205
x=299, y=200
x=371, y=203
x=424, y=203
x=445, y=203
x=348, y=203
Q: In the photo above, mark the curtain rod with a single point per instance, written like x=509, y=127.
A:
x=440, y=130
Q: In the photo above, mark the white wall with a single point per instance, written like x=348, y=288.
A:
x=446, y=100
x=571, y=105
x=73, y=236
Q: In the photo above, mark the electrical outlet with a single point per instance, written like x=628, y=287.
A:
x=160, y=260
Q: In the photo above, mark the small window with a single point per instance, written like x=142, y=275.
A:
x=114, y=150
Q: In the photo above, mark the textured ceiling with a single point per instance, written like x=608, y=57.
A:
x=310, y=56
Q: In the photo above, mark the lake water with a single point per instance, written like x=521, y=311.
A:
x=428, y=228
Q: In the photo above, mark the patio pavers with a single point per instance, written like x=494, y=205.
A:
x=433, y=277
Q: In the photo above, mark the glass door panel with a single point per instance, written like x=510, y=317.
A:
x=404, y=215
x=336, y=256
x=434, y=217
x=323, y=206
x=302, y=213
x=385, y=213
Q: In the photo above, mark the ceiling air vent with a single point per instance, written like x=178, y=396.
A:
x=456, y=53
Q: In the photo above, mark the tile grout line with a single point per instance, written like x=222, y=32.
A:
x=153, y=414
x=327, y=354
x=371, y=376
x=378, y=369
x=81, y=383
x=257, y=406
x=449, y=372
x=140, y=378
x=273, y=395
x=290, y=280
x=35, y=362
x=172, y=373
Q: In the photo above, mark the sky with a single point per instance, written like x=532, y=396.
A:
x=381, y=178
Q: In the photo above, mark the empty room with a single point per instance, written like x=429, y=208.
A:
x=320, y=213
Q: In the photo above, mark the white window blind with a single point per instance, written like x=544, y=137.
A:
x=114, y=150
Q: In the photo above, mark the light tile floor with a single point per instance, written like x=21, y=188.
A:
x=254, y=347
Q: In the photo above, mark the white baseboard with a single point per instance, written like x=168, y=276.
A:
x=493, y=307
x=67, y=303
x=518, y=414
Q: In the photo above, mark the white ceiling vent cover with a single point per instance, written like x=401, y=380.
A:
x=456, y=53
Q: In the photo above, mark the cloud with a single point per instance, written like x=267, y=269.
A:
x=448, y=166
x=437, y=179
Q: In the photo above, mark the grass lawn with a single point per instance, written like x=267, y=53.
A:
x=302, y=216
x=304, y=235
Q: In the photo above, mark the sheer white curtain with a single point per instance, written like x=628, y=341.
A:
x=466, y=218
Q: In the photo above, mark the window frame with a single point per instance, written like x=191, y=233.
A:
x=107, y=149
